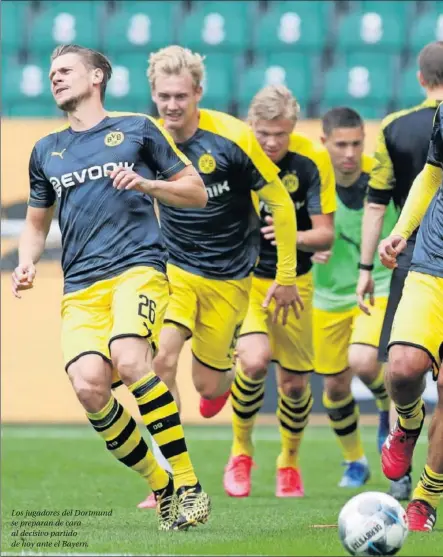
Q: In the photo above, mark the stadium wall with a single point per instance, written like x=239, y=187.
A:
x=34, y=386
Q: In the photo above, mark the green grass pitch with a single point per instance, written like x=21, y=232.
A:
x=57, y=468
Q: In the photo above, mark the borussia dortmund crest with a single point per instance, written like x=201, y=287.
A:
x=291, y=183
x=206, y=163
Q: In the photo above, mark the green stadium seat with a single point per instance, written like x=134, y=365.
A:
x=13, y=18
x=294, y=26
x=396, y=8
x=128, y=89
x=217, y=88
x=215, y=26
x=228, y=8
x=65, y=22
x=410, y=91
x=139, y=26
x=295, y=77
x=425, y=29
x=371, y=31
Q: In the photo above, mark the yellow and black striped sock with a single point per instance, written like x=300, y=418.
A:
x=429, y=487
x=411, y=416
x=160, y=415
x=378, y=389
x=343, y=416
x=293, y=415
x=124, y=441
x=246, y=398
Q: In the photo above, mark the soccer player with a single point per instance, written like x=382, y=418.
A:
x=212, y=252
x=400, y=156
x=416, y=342
x=345, y=338
x=307, y=173
x=102, y=167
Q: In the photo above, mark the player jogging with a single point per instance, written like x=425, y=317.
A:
x=102, y=167
x=401, y=152
x=345, y=338
x=416, y=342
x=213, y=251
x=307, y=173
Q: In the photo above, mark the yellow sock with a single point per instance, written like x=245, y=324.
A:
x=293, y=415
x=343, y=416
x=429, y=487
x=378, y=389
x=160, y=415
x=411, y=416
x=124, y=441
x=246, y=399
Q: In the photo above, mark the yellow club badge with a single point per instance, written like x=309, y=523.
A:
x=290, y=181
x=113, y=139
x=206, y=163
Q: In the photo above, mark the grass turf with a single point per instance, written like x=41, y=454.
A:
x=58, y=468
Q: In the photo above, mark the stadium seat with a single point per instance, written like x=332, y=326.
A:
x=217, y=88
x=292, y=25
x=128, y=89
x=65, y=22
x=13, y=18
x=427, y=28
x=371, y=31
x=389, y=8
x=295, y=77
x=140, y=27
x=410, y=92
x=216, y=26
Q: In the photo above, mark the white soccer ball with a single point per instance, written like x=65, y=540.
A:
x=372, y=523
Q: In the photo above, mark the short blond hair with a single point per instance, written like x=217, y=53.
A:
x=273, y=102
x=174, y=59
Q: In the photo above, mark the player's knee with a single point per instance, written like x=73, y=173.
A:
x=363, y=362
x=293, y=386
x=255, y=366
x=207, y=387
x=406, y=365
x=337, y=387
x=130, y=367
x=92, y=392
x=165, y=365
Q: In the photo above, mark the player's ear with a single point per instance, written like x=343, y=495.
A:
x=420, y=79
x=97, y=76
x=199, y=93
x=323, y=139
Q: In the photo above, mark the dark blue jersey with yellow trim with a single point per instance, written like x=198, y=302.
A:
x=104, y=231
x=222, y=240
x=307, y=173
x=428, y=251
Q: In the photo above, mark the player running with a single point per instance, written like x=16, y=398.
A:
x=213, y=251
x=307, y=173
x=105, y=169
x=416, y=342
x=400, y=156
x=346, y=339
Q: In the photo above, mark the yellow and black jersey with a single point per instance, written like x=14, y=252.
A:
x=401, y=151
x=104, y=231
x=222, y=240
x=307, y=173
x=428, y=252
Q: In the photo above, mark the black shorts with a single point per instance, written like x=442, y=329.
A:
x=395, y=292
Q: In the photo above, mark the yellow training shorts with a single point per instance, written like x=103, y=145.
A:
x=291, y=344
x=212, y=310
x=130, y=304
x=419, y=318
x=334, y=331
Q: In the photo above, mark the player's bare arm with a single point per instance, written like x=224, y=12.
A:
x=319, y=238
x=31, y=247
x=184, y=189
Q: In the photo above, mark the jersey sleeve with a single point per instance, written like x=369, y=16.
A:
x=435, y=153
x=160, y=152
x=381, y=180
x=42, y=194
x=256, y=168
x=321, y=198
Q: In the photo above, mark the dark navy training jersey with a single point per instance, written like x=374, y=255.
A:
x=307, y=173
x=220, y=241
x=428, y=252
x=104, y=231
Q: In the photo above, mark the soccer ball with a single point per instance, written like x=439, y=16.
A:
x=372, y=523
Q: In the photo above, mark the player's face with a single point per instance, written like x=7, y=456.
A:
x=273, y=136
x=345, y=145
x=71, y=81
x=176, y=98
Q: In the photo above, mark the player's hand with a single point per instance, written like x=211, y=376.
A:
x=127, y=179
x=285, y=297
x=23, y=278
x=365, y=286
x=321, y=257
x=269, y=230
x=389, y=249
